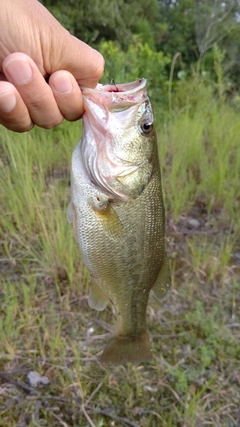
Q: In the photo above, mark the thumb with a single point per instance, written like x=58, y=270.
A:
x=85, y=63
x=69, y=53
x=28, y=27
x=62, y=51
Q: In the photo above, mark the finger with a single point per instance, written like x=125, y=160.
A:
x=14, y=114
x=67, y=94
x=88, y=64
x=23, y=73
x=69, y=53
x=33, y=30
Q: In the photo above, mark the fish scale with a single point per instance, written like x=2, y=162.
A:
x=118, y=218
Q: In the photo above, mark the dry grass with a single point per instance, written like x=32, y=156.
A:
x=47, y=326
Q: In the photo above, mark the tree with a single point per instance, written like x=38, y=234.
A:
x=96, y=20
x=215, y=21
x=178, y=29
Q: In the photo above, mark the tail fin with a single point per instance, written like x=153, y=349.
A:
x=122, y=349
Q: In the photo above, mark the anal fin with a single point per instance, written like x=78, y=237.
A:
x=163, y=282
x=96, y=298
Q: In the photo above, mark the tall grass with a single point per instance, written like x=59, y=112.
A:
x=202, y=141
x=35, y=194
x=45, y=323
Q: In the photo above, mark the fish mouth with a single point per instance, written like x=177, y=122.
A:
x=132, y=93
x=129, y=88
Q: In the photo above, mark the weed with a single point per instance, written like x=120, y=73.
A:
x=45, y=322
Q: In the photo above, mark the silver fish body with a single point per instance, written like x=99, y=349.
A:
x=117, y=212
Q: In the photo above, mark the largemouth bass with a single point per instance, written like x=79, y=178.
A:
x=117, y=212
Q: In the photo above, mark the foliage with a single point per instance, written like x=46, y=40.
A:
x=145, y=32
x=45, y=322
x=197, y=137
x=215, y=20
x=138, y=61
x=190, y=27
x=96, y=20
x=179, y=36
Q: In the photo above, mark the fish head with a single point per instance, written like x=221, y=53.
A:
x=118, y=138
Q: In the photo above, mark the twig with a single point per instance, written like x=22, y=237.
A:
x=105, y=326
x=19, y=384
x=59, y=419
x=38, y=404
x=94, y=393
x=232, y=325
x=79, y=393
x=15, y=371
x=87, y=416
x=149, y=411
x=114, y=417
x=172, y=391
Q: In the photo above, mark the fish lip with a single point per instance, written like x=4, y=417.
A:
x=121, y=89
x=116, y=97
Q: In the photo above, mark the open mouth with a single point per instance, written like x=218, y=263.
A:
x=130, y=88
x=130, y=93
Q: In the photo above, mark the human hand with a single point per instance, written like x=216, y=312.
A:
x=35, y=47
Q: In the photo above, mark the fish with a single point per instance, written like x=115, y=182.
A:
x=117, y=212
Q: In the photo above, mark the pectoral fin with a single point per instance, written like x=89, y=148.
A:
x=108, y=218
x=96, y=299
x=163, y=282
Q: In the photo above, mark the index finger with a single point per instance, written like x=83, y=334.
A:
x=83, y=62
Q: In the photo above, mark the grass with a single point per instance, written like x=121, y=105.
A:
x=45, y=323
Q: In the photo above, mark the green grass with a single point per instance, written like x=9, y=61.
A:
x=46, y=324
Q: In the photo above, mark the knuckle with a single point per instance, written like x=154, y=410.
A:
x=14, y=126
x=51, y=124
x=17, y=120
x=38, y=100
x=44, y=110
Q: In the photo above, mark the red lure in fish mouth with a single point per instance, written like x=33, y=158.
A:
x=119, y=87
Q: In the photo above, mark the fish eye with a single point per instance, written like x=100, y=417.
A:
x=146, y=127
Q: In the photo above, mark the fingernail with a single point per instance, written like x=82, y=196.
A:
x=7, y=102
x=19, y=71
x=62, y=83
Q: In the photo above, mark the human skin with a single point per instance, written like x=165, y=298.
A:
x=41, y=68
